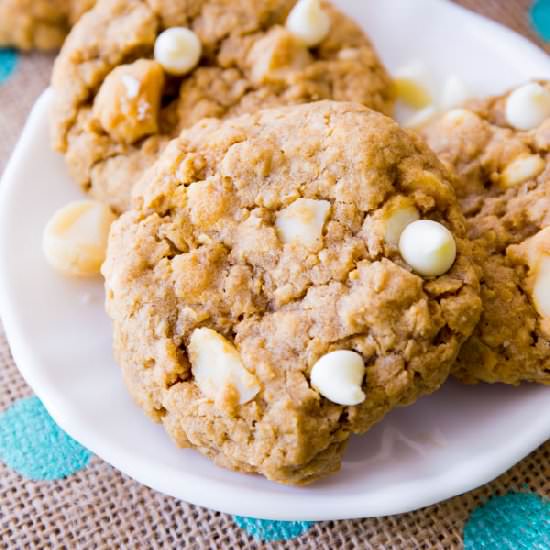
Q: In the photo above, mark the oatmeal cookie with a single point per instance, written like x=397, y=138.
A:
x=116, y=107
x=261, y=308
x=42, y=24
x=500, y=147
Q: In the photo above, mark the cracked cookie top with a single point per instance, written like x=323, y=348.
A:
x=499, y=147
x=263, y=244
x=116, y=107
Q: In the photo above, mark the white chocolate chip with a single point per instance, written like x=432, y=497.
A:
x=522, y=169
x=309, y=22
x=541, y=287
x=178, y=50
x=419, y=119
x=422, y=97
x=338, y=376
x=428, y=247
x=303, y=221
x=454, y=93
x=75, y=238
x=217, y=367
x=538, y=259
x=528, y=106
x=131, y=84
x=412, y=85
x=397, y=219
x=538, y=246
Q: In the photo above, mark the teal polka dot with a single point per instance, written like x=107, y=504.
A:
x=268, y=530
x=540, y=18
x=518, y=520
x=8, y=62
x=34, y=446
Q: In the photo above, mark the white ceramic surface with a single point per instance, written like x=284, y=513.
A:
x=446, y=444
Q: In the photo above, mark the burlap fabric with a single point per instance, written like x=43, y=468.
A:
x=100, y=508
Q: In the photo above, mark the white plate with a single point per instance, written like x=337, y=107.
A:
x=446, y=444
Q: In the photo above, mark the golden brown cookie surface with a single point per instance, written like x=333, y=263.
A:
x=271, y=229
x=505, y=193
x=41, y=24
x=249, y=61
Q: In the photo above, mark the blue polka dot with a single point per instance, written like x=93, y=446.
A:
x=267, y=530
x=34, y=446
x=517, y=520
x=540, y=18
x=8, y=62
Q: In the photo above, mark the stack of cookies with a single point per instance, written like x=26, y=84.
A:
x=287, y=264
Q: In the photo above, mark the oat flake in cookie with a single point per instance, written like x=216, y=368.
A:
x=42, y=24
x=262, y=310
x=500, y=148
x=117, y=105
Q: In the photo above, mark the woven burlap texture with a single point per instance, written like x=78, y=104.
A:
x=101, y=508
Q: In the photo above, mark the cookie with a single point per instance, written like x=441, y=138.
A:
x=41, y=24
x=117, y=107
x=500, y=148
x=262, y=310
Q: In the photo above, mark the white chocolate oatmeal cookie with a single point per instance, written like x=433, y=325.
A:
x=257, y=250
x=126, y=80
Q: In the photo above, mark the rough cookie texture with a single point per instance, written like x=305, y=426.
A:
x=504, y=189
x=249, y=61
x=202, y=249
x=41, y=24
